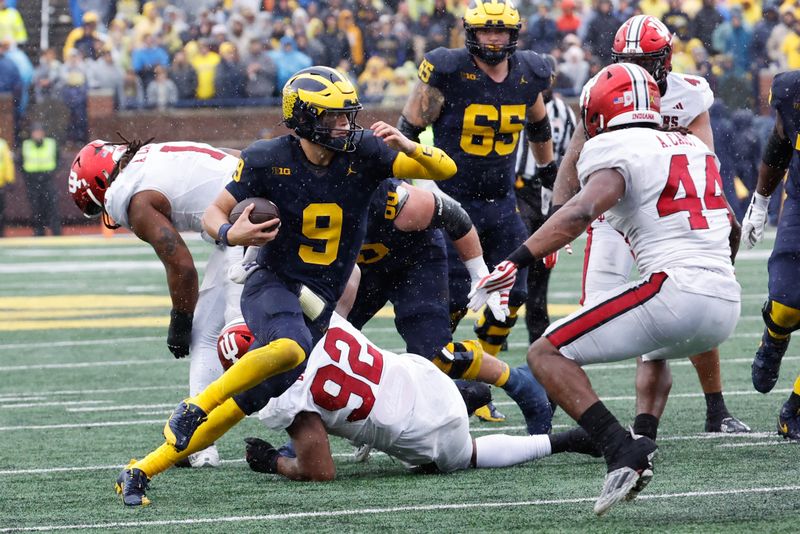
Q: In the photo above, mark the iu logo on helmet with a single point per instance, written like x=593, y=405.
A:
x=228, y=348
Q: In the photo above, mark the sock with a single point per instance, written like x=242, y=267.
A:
x=794, y=399
x=531, y=398
x=646, y=424
x=219, y=421
x=501, y=450
x=715, y=406
x=603, y=427
x=493, y=333
x=253, y=368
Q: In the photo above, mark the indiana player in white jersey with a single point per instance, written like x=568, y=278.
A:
x=663, y=192
x=158, y=190
x=685, y=100
x=401, y=404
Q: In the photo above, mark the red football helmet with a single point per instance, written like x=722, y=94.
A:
x=620, y=94
x=646, y=41
x=88, y=176
x=234, y=342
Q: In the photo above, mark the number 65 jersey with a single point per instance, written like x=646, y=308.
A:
x=399, y=404
x=673, y=213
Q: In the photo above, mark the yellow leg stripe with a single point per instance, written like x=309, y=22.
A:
x=474, y=368
x=219, y=421
x=498, y=331
x=512, y=311
x=500, y=382
x=775, y=335
x=796, y=389
x=783, y=315
x=253, y=368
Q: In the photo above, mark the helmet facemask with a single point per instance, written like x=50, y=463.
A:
x=658, y=64
x=493, y=55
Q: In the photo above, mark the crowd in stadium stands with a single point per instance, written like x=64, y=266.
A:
x=189, y=53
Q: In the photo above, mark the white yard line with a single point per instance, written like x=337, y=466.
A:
x=108, y=341
x=83, y=425
x=50, y=403
x=112, y=407
x=4, y=396
x=271, y=518
x=80, y=365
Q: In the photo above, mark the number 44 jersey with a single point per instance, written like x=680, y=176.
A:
x=673, y=213
x=399, y=404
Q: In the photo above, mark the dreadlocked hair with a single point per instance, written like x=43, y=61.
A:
x=133, y=147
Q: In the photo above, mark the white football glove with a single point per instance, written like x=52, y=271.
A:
x=477, y=271
x=755, y=220
x=500, y=281
x=238, y=272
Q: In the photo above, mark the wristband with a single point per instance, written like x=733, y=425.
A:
x=521, y=257
x=222, y=234
x=760, y=200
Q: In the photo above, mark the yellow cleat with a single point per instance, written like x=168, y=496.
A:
x=490, y=414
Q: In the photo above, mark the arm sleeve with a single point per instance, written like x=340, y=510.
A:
x=426, y=162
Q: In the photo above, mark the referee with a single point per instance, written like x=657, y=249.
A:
x=533, y=200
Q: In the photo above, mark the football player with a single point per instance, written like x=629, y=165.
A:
x=399, y=404
x=321, y=179
x=685, y=99
x=156, y=191
x=403, y=260
x=782, y=310
x=478, y=100
x=688, y=299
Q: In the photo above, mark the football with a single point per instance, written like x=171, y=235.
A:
x=263, y=211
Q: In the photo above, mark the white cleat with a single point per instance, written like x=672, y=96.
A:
x=621, y=484
x=208, y=456
x=361, y=453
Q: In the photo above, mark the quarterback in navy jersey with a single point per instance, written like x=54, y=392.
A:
x=478, y=100
x=321, y=180
x=782, y=310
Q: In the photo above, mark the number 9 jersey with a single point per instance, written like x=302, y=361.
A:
x=480, y=123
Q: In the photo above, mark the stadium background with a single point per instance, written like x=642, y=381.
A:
x=737, y=45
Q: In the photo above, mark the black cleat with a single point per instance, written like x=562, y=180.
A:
x=789, y=423
x=630, y=469
x=132, y=485
x=182, y=424
x=767, y=362
x=728, y=424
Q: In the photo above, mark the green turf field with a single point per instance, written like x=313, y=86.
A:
x=87, y=383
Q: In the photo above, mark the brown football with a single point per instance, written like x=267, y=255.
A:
x=263, y=211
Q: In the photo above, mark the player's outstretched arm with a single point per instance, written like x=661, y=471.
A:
x=414, y=160
x=700, y=127
x=148, y=213
x=540, y=139
x=314, y=461
x=243, y=232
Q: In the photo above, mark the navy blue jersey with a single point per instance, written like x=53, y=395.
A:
x=785, y=98
x=323, y=210
x=389, y=248
x=481, y=120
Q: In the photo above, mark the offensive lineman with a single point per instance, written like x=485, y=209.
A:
x=688, y=299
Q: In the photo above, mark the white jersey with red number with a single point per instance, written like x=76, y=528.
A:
x=399, y=404
x=673, y=213
x=687, y=97
x=190, y=175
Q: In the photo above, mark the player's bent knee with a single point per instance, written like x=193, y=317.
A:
x=780, y=318
x=460, y=360
x=538, y=352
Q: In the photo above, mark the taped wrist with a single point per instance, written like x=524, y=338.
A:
x=778, y=152
x=409, y=130
x=222, y=234
x=521, y=257
x=539, y=131
x=450, y=216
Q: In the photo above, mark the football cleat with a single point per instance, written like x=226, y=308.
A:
x=727, y=425
x=490, y=414
x=630, y=470
x=208, y=456
x=132, y=485
x=361, y=453
x=182, y=424
x=789, y=423
x=767, y=362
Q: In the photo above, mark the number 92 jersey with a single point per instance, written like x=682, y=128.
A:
x=323, y=209
x=481, y=120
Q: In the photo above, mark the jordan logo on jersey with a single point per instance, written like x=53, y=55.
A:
x=350, y=170
x=522, y=80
